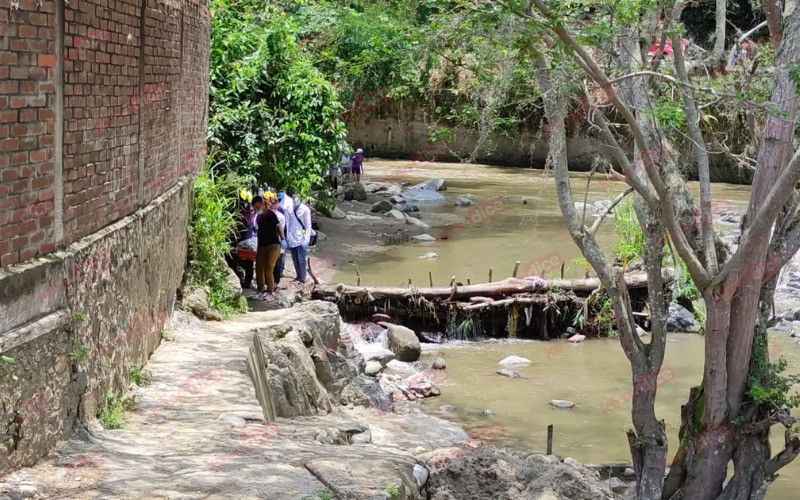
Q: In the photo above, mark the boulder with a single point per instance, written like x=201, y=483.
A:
x=577, y=338
x=416, y=222
x=439, y=364
x=354, y=191
x=382, y=356
x=396, y=214
x=406, y=208
x=397, y=199
x=429, y=255
x=591, y=210
x=373, y=368
x=515, y=361
x=403, y=342
x=561, y=403
x=431, y=185
x=381, y=206
x=487, y=413
x=233, y=286
x=422, y=195
x=421, y=385
x=196, y=302
x=423, y=238
x=679, y=319
x=305, y=366
x=463, y=202
x=508, y=373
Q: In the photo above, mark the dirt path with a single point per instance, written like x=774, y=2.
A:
x=197, y=432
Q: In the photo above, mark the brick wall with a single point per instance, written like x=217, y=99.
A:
x=102, y=109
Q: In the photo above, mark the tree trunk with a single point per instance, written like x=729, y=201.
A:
x=720, y=17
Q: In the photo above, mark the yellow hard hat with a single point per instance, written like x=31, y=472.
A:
x=246, y=195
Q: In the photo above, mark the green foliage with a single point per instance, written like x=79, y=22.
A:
x=393, y=490
x=212, y=227
x=272, y=112
x=139, y=376
x=79, y=318
x=631, y=245
x=167, y=336
x=79, y=355
x=324, y=494
x=6, y=362
x=113, y=411
x=767, y=384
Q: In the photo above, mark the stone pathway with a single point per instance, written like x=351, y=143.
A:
x=197, y=432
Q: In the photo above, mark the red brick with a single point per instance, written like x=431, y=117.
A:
x=26, y=254
x=9, y=145
x=19, y=102
x=19, y=242
x=8, y=259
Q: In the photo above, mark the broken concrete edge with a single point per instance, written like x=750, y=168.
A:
x=75, y=321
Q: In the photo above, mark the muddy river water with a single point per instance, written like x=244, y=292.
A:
x=515, y=217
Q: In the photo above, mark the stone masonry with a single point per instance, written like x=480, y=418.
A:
x=103, y=113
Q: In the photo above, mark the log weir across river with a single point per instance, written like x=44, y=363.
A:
x=530, y=307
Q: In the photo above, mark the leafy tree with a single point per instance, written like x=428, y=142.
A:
x=273, y=114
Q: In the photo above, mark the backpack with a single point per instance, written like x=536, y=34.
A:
x=313, y=240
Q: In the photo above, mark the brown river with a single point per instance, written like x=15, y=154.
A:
x=515, y=217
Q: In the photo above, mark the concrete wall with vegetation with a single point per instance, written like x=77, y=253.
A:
x=390, y=129
x=103, y=113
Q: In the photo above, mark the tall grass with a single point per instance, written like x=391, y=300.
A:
x=212, y=227
x=631, y=246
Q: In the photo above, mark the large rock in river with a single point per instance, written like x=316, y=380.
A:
x=422, y=195
x=381, y=206
x=679, y=319
x=431, y=185
x=403, y=342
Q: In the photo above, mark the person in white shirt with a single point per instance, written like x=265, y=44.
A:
x=278, y=270
x=298, y=223
x=285, y=201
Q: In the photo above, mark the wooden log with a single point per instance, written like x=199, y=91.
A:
x=504, y=302
x=510, y=286
x=550, y=439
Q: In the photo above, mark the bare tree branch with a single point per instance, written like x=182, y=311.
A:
x=699, y=151
x=696, y=269
x=602, y=215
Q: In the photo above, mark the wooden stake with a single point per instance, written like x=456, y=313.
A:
x=516, y=268
x=468, y=281
x=562, y=270
x=490, y=275
x=358, y=275
x=430, y=278
x=311, y=271
x=550, y=439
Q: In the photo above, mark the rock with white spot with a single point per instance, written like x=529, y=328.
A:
x=439, y=364
x=373, y=368
x=577, y=338
x=416, y=222
x=232, y=420
x=396, y=214
x=420, y=475
x=463, y=202
x=423, y=237
x=429, y=255
x=561, y=403
x=508, y=373
x=515, y=361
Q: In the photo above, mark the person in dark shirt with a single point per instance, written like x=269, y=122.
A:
x=270, y=234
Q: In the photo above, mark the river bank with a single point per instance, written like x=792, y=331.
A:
x=197, y=431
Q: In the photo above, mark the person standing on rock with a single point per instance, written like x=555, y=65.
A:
x=357, y=162
x=298, y=222
x=269, y=248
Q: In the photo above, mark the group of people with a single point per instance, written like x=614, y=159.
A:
x=349, y=165
x=271, y=225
